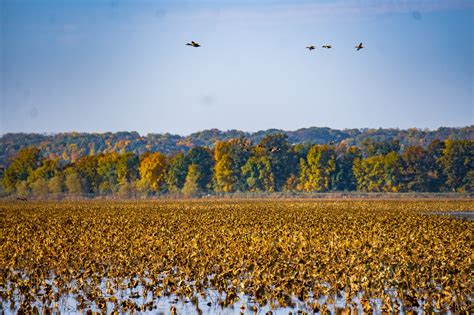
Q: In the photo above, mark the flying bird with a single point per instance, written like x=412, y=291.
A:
x=310, y=47
x=359, y=47
x=327, y=46
x=193, y=44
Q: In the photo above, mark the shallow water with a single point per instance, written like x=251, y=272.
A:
x=208, y=304
x=468, y=215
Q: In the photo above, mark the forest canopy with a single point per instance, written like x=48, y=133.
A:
x=69, y=147
x=271, y=164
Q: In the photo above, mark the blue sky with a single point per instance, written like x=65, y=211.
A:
x=97, y=66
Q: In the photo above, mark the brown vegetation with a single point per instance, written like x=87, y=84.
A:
x=272, y=251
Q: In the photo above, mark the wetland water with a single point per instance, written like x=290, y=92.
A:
x=208, y=303
x=467, y=215
x=228, y=256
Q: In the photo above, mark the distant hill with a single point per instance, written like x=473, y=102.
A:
x=71, y=146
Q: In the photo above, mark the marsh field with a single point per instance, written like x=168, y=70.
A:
x=237, y=256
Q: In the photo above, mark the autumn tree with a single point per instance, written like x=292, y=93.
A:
x=224, y=178
x=26, y=161
x=39, y=187
x=126, y=190
x=22, y=189
x=230, y=156
x=319, y=170
x=73, y=183
x=152, y=171
x=191, y=186
x=369, y=173
x=56, y=184
x=298, y=154
x=236, y=165
x=47, y=170
x=379, y=173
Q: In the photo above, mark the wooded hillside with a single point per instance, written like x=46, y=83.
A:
x=69, y=147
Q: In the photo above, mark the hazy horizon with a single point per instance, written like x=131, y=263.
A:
x=109, y=66
x=227, y=130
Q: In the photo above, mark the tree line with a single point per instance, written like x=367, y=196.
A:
x=240, y=165
x=69, y=147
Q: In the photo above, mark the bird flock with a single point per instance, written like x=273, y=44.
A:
x=310, y=47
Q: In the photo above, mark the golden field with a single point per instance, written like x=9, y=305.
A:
x=253, y=255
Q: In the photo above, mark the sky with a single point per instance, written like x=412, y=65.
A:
x=122, y=65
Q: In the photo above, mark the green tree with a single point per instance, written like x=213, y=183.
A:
x=369, y=173
x=418, y=174
x=127, y=167
x=47, y=170
x=176, y=172
x=345, y=178
x=393, y=172
x=296, y=179
x=457, y=162
x=435, y=152
x=202, y=159
x=240, y=151
x=379, y=173
x=373, y=148
x=258, y=174
x=107, y=172
x=277, y=150
x=86, y=167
